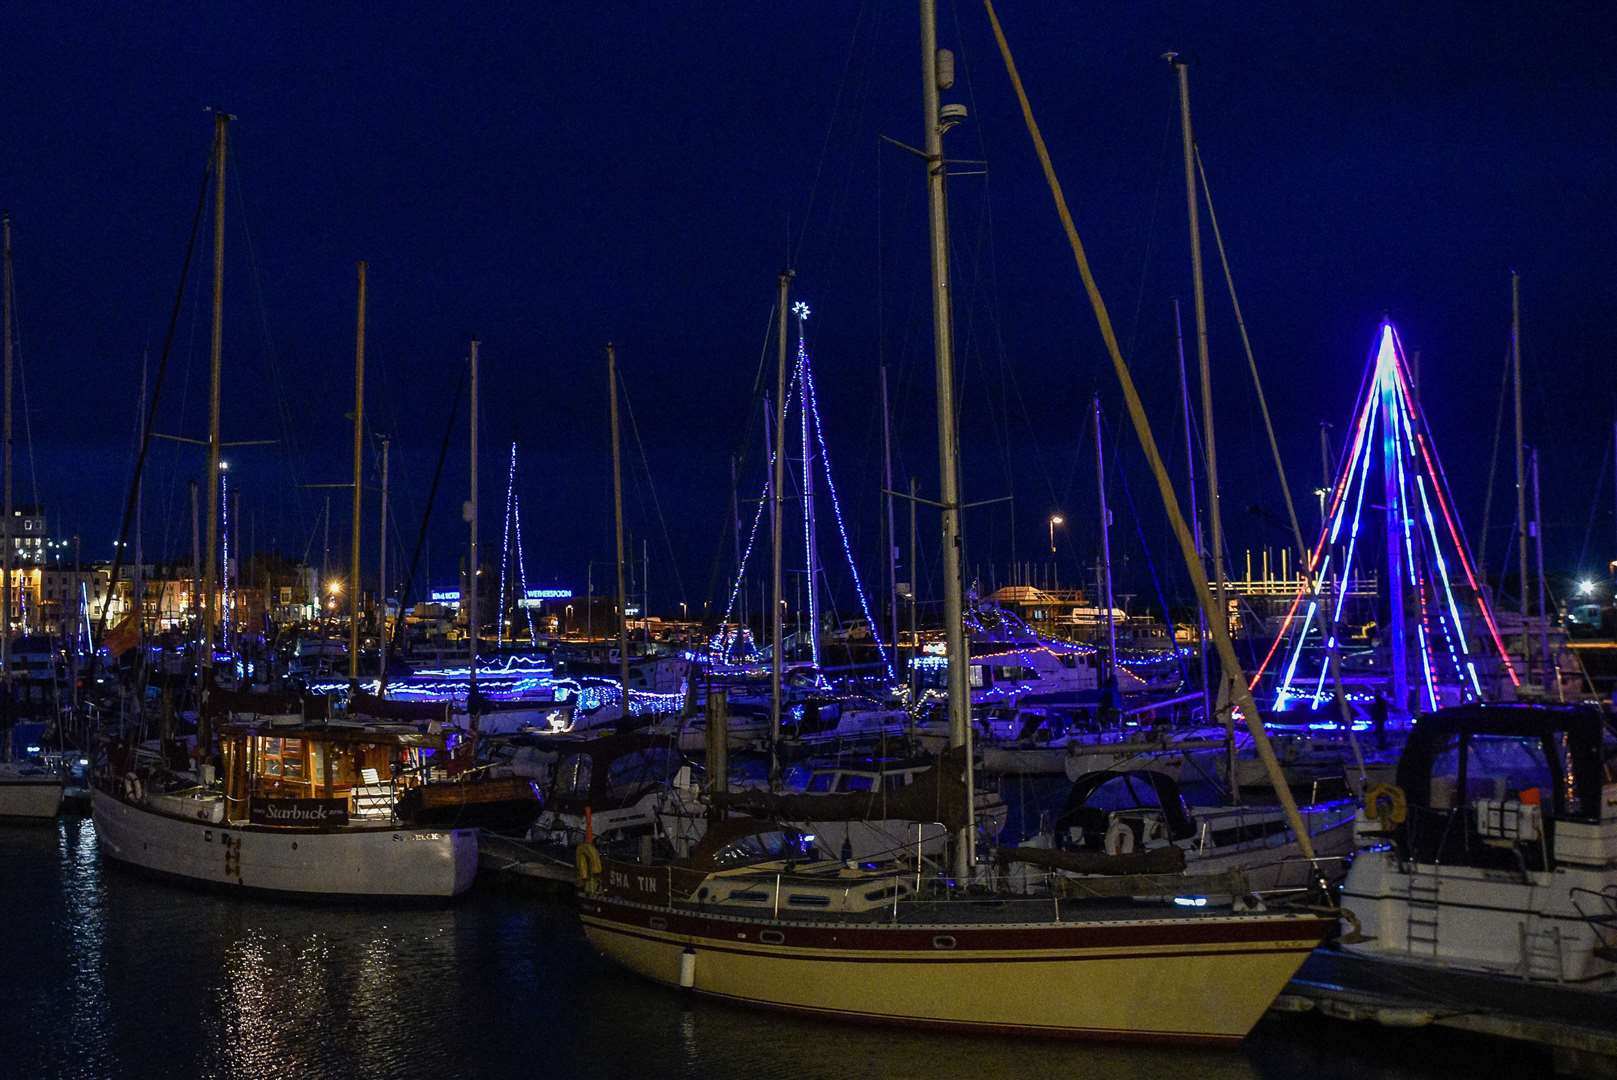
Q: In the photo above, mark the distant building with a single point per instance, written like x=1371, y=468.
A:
x=26, y=530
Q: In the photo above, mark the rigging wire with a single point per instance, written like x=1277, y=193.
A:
x=293, y=451
x=794, y=248
x=392, y=642
x=1251, y=363
x=157, y=393
x=1493, y=468
x=662, y=522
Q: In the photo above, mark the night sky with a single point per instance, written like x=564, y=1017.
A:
x=550, y=177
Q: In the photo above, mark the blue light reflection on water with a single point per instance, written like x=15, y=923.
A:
x=105, y=974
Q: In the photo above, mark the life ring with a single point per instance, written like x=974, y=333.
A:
x=1119, y=839
x=134, y=790
x=1386, y=803
x=588, y=861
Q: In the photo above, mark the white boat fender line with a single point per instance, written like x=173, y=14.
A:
x=687, y=968
x=134, y=787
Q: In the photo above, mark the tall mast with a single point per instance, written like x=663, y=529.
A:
x=196, y=559
x=915, y=597
x=210, y=560
x=1521, y=461
x=1543, y=617
x=325, y=552
x=138, y=590
x=617, y=519
x=11, y=526
x=1195, y=516
x=381, y=554
x=470, y=599
x=1105, y=545
x=887, y=487
x=777, y=495
x=1396, y=511
x=735, y=517
x=354, y=579
x=1215, y=518
x=937, y=73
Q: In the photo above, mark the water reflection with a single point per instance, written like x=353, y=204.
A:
x=113, y=975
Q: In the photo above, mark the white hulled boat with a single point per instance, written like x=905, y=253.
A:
x=1496, y=851
x=302, y=810
x=29, y=791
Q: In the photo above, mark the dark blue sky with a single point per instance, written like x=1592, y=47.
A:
x=550, y=177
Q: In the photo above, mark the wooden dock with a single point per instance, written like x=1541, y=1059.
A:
x=1577, y=1027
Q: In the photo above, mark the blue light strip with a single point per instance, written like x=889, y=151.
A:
x=1360, y=458
x=741, y=571
x=1367, y=429
x=505, y=546
x=801, y=310
x=1443, y=574
x=842, y=530
x=522, y=569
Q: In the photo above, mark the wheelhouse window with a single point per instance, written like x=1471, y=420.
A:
x=284, y=759
x=1500, y=767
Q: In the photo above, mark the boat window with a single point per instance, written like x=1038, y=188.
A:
x=573, y=778
x=807, y=900
x=648, y=766
x=980, y=677
x=1445, y=775
x=282, y=757
x=821, y=782
x=856, y=782
x=764, y=846
x=1502, y=767
x=895, y=781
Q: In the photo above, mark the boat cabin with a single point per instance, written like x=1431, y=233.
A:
x=320, y=777
x=1510, y=787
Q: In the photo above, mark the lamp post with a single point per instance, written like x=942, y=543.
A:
x=1055, y=519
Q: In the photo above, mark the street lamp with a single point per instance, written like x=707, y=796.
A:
x=682, y=611
x=1055, y=519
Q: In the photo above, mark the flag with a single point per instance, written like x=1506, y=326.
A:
x=123, y=637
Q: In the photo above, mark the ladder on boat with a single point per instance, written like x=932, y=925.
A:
x=1421, y=921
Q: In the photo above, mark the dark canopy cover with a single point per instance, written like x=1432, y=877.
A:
x=937, y=794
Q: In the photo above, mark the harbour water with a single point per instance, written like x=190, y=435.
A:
x=107, y=974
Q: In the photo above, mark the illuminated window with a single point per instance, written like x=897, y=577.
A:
x=284, y=758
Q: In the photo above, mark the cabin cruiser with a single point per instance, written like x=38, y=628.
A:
x=656, y=673
x=1496, y=851
x=1112, y=814
x=298, y=808
x=30, y=790
x=622, y=788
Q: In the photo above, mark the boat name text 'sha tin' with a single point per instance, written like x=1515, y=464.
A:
x=313, y=812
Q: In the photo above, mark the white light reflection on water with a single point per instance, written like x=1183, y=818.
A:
x=104, y=974
x=84, y=910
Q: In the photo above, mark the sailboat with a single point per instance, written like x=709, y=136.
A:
x=757, y=915
x=291, y=804
x=30, y=790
